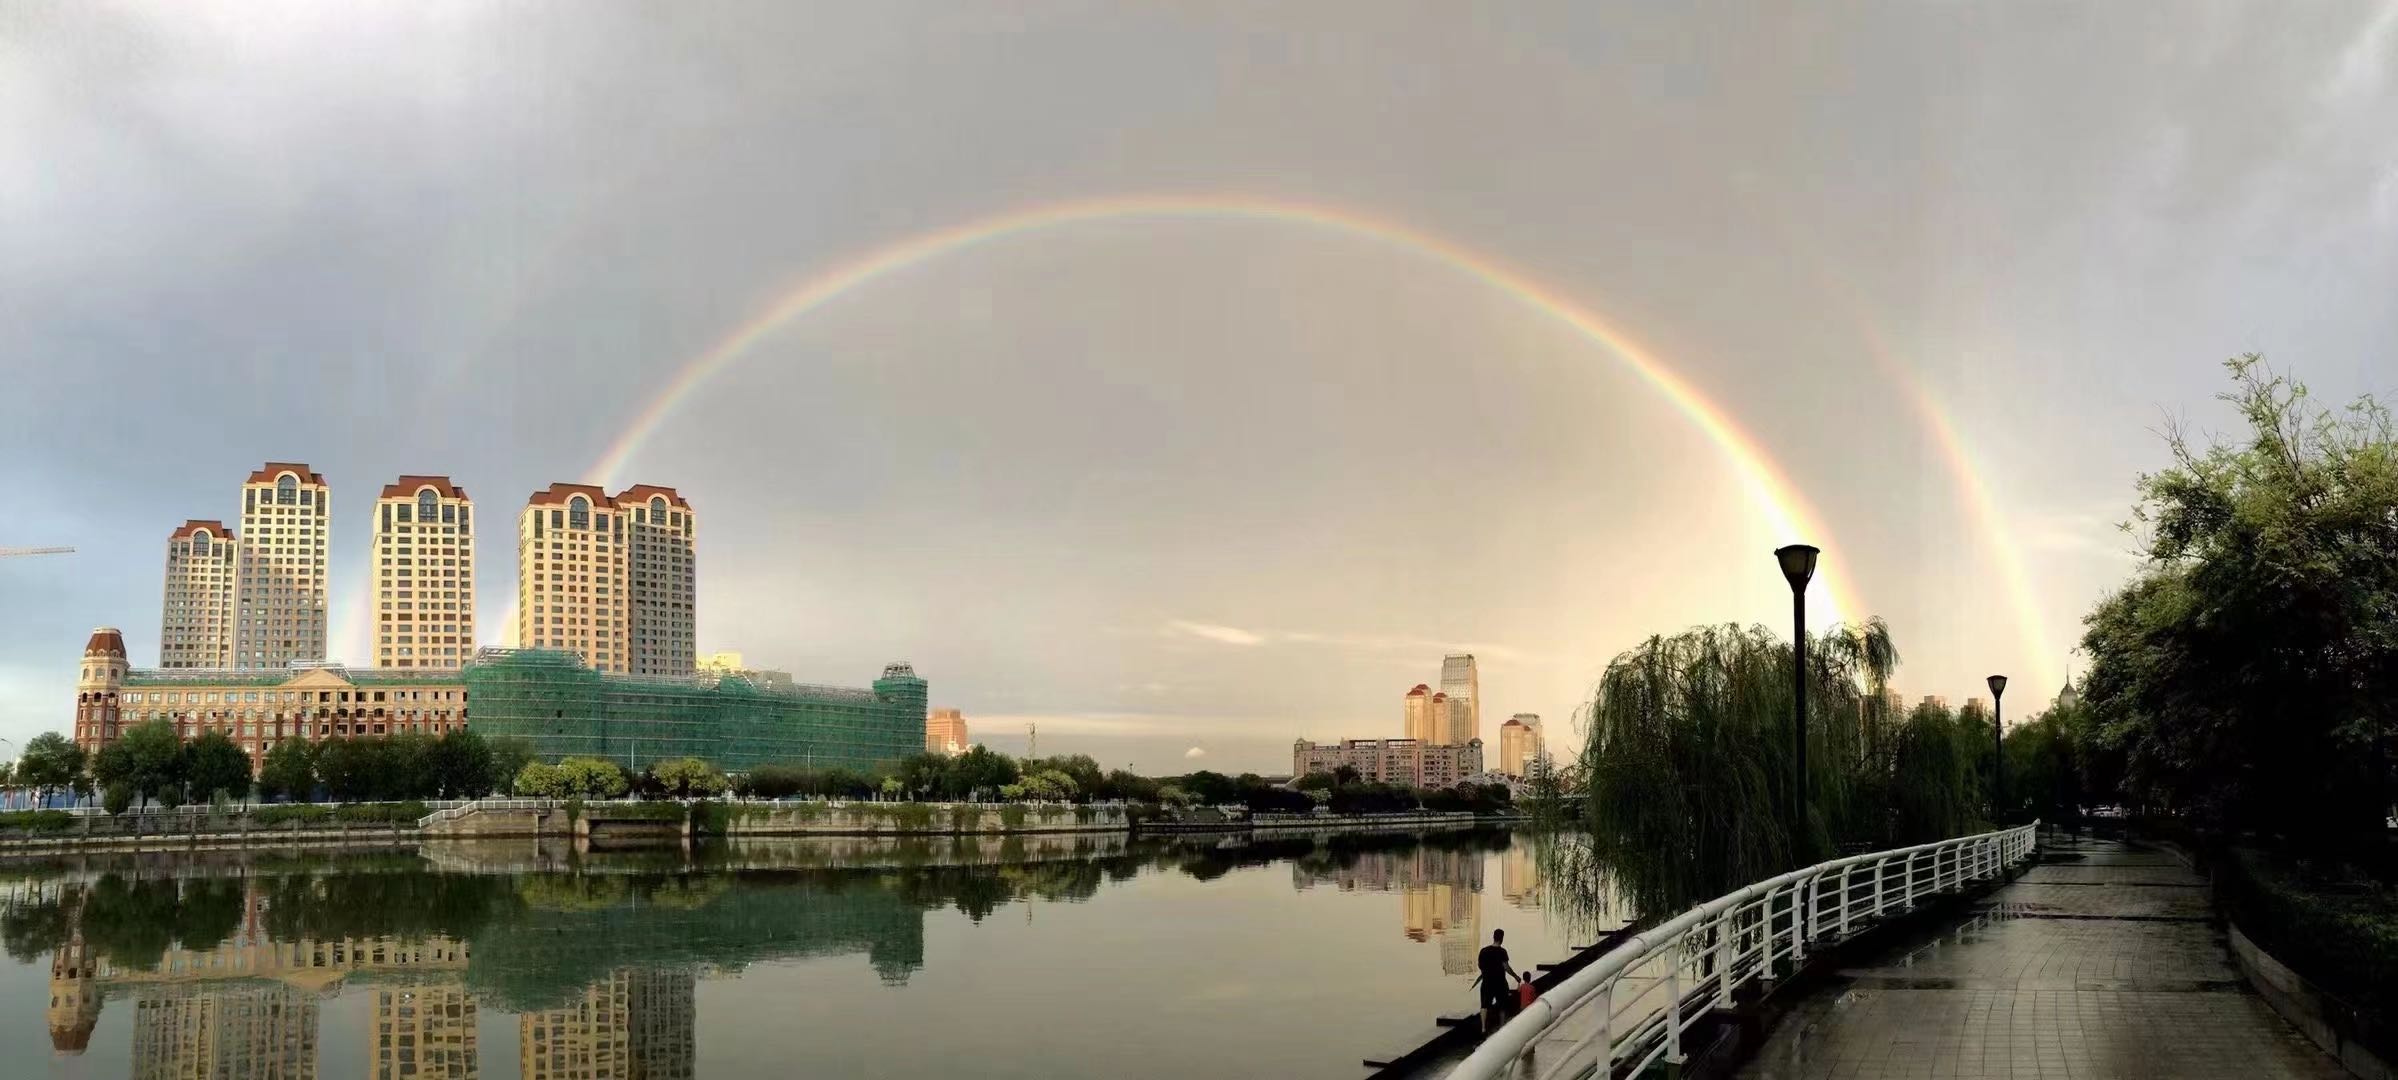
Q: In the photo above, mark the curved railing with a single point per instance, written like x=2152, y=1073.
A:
x=1630, y=1007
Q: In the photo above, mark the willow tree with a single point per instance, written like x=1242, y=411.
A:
x=1689, y=761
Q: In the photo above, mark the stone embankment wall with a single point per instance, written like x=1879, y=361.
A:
x=909, y=819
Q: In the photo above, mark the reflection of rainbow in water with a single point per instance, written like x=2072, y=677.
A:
x=1770, y=492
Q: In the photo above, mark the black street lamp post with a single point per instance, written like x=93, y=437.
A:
x=1998, y=745
x=1798, y=566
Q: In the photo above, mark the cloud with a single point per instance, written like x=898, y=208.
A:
x=1126, y=724
x=1229, y=635
x=1361, y=643
x=1194, y=754
x=2075, y=532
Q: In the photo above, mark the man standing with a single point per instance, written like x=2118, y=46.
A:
x=1496, y=971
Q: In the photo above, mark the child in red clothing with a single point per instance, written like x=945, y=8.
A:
x=1525, y=993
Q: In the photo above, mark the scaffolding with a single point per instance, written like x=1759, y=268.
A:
x=567, y=709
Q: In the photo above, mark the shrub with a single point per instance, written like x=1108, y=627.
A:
x=33, y=821
x=308, y=813
x=658, y=811
x=392, y=813
x=2342, y=936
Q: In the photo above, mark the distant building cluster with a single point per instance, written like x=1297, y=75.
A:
x=1441, y=737
x=1519, y=746
x=722, y=664
x=610, y=578
x=606, y=593
x=1391, y=761
x=945, y=732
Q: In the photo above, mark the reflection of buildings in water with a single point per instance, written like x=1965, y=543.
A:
x=632, y=1025
x=1440, y=894
x=424, y=1031
x=249, y=1032
x=1519, y=876
x=664, y=1015
x=186, y=1026
x=74, y=998
x=1464, y=929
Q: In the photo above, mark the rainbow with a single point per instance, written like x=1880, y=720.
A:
x=1771, y=492
x=1978, y=502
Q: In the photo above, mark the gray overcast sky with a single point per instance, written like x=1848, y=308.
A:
x=1173, y=482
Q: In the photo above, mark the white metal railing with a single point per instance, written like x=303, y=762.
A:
x=1630, y=1007
x=451, y=813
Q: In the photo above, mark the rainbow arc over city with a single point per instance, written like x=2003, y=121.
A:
x=1774, y=497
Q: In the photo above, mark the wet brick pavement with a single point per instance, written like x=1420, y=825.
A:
x=2104, y=967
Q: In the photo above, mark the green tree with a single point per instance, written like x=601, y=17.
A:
x=117, y=797
x=2249, y=674
x=686, y=777
x=926, y=776
x=509, y=756
x=289, y=771
x=148, y=757
x=462, y=765
x=1211, y=788
x=1128, y=785
x=212, y=764
x=356, y=769
x=411, y=766
x=541, y=780
x=980, y=771
x=1689, y=768
x=50, y=761
x=593, y=778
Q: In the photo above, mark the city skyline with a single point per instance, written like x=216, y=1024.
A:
x=1112, y=408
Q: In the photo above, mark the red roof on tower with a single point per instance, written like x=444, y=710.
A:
x=105, y=642
x=215, y=528
x=644, y=492
x=557, y=494
x=1419, y=690
x=1440, y=697
x=408, y=486
x=1513, y=722
x=267, y=473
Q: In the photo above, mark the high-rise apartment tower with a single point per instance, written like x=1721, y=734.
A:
x=1462, y=681
x=196, y=624
x=424, y=579
x=570, y=576
x=661, y=568
x=280, y=589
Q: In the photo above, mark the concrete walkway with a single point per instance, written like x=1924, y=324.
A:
x=2103, y=966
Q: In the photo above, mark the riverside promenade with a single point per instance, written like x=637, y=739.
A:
x=2103, y=960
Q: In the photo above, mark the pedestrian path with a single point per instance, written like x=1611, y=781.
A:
x=2105, y=965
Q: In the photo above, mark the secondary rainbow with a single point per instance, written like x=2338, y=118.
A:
x=1768, y=489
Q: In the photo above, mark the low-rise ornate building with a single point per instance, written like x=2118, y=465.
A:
x=258, y=708
x=1391, y=761
x=561, y=706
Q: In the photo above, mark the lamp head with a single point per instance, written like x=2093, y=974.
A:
x=1998, y=686
x=1798, y=564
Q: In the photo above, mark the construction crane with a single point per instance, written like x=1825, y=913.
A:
x=10, y=553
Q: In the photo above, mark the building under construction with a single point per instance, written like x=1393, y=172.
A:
x=567, y=709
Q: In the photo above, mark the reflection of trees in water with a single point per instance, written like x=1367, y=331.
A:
x=533, y=940
x=129, y=922
x=1590, y=894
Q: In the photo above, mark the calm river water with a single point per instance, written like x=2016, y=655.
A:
x=1042, y=957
